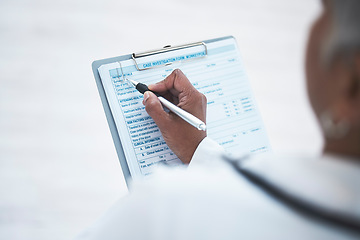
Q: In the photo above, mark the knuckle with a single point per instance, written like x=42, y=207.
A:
x=203, y=98
x=177, y=72
x=172, y=75
x=199, y=97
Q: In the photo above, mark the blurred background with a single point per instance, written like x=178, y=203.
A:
x=58, y=166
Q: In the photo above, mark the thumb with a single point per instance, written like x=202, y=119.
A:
x=154, y=108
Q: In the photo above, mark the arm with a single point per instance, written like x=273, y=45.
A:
x=208, y=150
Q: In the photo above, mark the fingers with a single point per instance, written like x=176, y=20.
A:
x=175, y=83
x=180, y=136
x=154, y=108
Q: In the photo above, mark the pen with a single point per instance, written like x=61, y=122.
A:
x=194, y=121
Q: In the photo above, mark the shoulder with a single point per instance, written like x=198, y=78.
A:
x=206, y=201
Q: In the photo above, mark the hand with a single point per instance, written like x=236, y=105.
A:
x=181, y=137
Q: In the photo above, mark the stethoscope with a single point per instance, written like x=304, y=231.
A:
x=301, y=206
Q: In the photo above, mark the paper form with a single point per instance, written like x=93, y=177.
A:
x=233, y=119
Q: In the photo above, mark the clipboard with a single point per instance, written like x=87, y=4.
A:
x=143, y=68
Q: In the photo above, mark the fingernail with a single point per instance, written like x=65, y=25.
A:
x=146, y=96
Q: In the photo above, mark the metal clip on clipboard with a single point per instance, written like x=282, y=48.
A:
x=165, y=49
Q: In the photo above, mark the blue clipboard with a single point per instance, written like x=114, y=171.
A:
x=106, y=106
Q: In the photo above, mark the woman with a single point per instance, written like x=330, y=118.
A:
x=258, y=198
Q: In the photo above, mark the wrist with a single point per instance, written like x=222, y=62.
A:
x=192, y=150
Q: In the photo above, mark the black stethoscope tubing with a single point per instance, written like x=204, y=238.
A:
x=304, y=207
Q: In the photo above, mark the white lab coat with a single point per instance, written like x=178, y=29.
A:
x=210, y=200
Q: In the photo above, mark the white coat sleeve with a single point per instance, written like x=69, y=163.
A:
x=207, y=151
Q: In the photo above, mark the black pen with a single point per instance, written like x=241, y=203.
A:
x=191, y=119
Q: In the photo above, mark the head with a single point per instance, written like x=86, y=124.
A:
x=333, y=75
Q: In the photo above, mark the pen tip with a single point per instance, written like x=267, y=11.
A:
x=132, y=82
